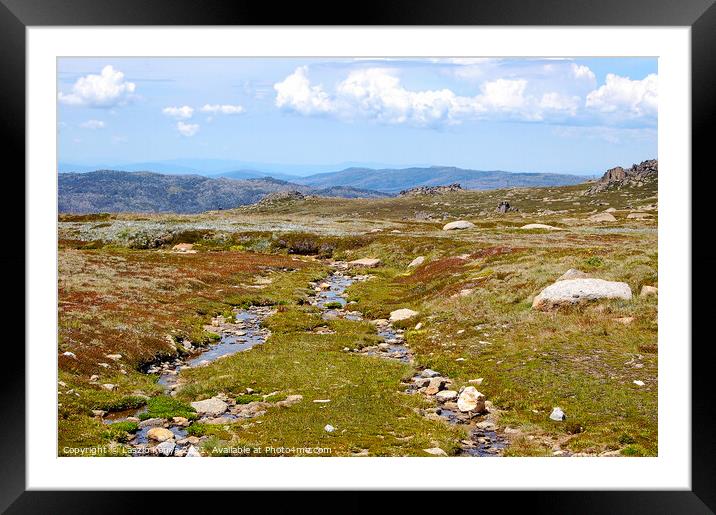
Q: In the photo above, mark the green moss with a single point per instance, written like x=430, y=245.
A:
x=164, y=406
x=247, y=398
x=334, y=305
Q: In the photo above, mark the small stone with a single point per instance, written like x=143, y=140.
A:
x=321, y=401
x=98, y=413
x=94, y=378
x=540, y=226
x=109, y=386
x=113, y=357
x=429, y=373
x=210, y=407
x=471, y=400
x=417, y=262
x=290, y=401
x=572, y=273
x=649, y=291
x=69, y=354
x=478, y=381
x=436, y=384
x=418, y=326
x=160, y=434
x=557, y=414
x=639, y=383
x=180, y=421
x=165, y=448
x=329, y=428
x=402, y=314
x=624, y=320
x=249, y=390
x=324, y=286
x=459, y=224
x=366, y=262
x=183, y=247
x=192, y=452
x=435, y=451
x=152, y=422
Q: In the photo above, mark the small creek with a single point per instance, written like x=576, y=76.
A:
x=246, y=331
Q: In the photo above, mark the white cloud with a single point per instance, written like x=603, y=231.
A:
x=222, y=109
x=560, y=103
x=179, y=113
x=187, y=129
x=109, y=89
x=580, y=71
x=377, y=94
x=93, y=124
x=296, y=93
x=622, y=95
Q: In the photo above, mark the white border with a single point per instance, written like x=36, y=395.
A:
x=671, y=470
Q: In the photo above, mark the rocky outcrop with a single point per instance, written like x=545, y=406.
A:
x=280, y=197
x=430, y=190
x=636, y=176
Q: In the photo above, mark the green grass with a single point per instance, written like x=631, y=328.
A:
x=164, y=406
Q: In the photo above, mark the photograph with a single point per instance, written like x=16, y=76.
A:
x=377, y=256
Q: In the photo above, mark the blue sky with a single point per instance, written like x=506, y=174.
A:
x=541, y=115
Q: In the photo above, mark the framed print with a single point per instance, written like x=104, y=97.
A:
x=356, y=252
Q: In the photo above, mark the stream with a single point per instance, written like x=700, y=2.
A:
x=245, y=331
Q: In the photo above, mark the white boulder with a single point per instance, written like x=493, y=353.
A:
x=575, y=291
x=402, y=314
x=471, y=400
x=210, y=407
x=459, y=224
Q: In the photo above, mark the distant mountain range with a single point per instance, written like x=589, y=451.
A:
x=142, y=191
x=391, y=180
x=119, y=191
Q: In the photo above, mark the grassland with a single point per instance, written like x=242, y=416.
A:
x=123, y=292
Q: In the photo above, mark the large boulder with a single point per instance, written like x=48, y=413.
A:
x=402, y=314
x=210, y=407
x=575, y=291
x=602, y=217
x=459, y=224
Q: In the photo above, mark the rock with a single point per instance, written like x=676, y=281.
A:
x=324, y=286
x=557, y=414
x=435, y=385
x=602, y=217
x=366, y=262
x=69, y=354
x=610, y=210
x=435, y=451
x=638, y=216
x=160, y=434
x=540, y=226
x=648, y=291
x=222, y=421
x=418, y=326
x=191, y=440
x=329, y=428
x=421, y=382
x=476, y=381
x=429, y=373
x=446, y=395
x=321, y=401
x=471, y=400
x=639, y=383
x=574, y=291
x=572, y=273
x=109, y=386
x=98, y=413
x=210, y=407
x=459, y=224
x=402, y=314
x=94, y=378
x=503, y=207
x=152, y=422
x=290, y=401
x=183, y=247
x=192, y=452
x=113, y=357
x=180, y=421
x=416, y=262
x=165, y=448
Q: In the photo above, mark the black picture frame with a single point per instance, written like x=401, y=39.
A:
x=699, y=15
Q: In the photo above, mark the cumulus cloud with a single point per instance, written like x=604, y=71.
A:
x=187, y=129
x=377, y=94
x=579, y=71
x=93, y=124
x=108, y=89
x=622, y=95
x=179, y=113
x=296, y=93
x=222, y=109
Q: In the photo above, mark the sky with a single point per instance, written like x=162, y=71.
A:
x=528, y=114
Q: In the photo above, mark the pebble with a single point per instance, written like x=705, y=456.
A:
x=329, y=428
x=557, y=414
